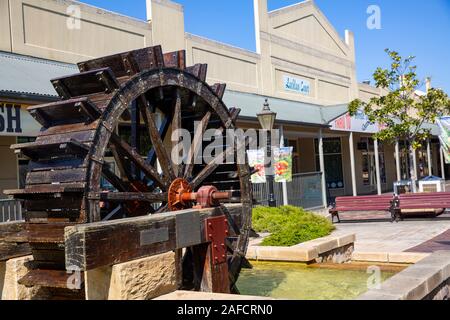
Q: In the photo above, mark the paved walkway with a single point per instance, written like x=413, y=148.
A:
x=441, y=242
x=385, y=236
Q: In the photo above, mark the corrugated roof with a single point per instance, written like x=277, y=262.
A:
x=287, y=110
x=434, y=128
x=293, y=111
x=330, y=113
x=24, y=75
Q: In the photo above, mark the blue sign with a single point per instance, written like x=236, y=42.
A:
x=296, y=85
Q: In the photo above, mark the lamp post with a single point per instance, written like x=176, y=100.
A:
x=267, y=119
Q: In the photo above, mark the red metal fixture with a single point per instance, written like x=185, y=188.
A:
x=180, y=196
x=216, y=229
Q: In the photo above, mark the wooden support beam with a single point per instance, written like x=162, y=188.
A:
x=128, y=196
x=94, y=245
x=9, y=250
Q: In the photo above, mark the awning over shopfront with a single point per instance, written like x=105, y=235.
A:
x=288, y=111
x=360, y=123
x=25, y=80
x=23, y=77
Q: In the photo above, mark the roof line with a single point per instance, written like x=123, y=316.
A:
x=17, y=56
x=271, y=98
x=294, y=5
x=305, y=124
x=30, y=96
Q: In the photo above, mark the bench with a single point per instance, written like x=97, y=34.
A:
x=417, y=201
x=361, y=203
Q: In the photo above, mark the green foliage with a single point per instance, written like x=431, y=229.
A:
x=289, y=225
x=402, y=111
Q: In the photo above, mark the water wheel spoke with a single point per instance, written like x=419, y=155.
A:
x=230, y=244
x=162, y=209
x=155, y=137
x=176, y=127
x=135, y=135
x=136, y=158
x=165, y=123
x=196, y=143
x=211, y=167
x=234, y=227
x=114, y=180
x=115, y=211
x=125, y=173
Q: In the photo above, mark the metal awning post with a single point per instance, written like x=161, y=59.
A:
x=397, y=160
x=430, y=173
x=322, y=169
x=377, y=166
x=352, y=163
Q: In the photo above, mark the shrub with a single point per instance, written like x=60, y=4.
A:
x=289, y=225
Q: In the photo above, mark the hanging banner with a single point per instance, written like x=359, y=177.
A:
x=256, y=160
x=283, y=164
x=444, y=137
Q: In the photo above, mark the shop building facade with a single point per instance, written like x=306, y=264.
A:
x=305, y=68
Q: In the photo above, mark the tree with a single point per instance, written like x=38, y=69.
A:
x=401, y=111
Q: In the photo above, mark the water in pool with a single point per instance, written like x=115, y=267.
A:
x=300, y=282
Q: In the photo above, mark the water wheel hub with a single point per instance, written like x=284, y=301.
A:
x=179, y=195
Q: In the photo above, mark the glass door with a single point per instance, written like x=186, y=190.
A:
x=369, y=172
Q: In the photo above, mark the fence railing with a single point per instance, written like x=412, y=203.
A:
x=10, y=210
x=304, y=191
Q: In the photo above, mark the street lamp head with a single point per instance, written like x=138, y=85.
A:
x=266, y=117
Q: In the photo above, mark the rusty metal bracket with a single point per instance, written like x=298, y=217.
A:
x=216, y=229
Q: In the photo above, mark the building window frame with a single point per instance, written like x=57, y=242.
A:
x=368, y=152
x=329, y=153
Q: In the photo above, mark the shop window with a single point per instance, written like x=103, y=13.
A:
x=332, y=152
x=422, y=162
x=404, y=160
x=367, y=147
x=295, y=155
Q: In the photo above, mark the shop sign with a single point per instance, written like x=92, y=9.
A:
x=296, y=85
x=16, y=121
x=357, y=123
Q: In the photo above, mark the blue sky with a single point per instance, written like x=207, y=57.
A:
x=412, y=27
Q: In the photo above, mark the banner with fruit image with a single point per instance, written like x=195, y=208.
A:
x=283, y=164
x=444, y=125
x=256, y=160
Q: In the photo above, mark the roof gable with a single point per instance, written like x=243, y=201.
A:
x=305, y=23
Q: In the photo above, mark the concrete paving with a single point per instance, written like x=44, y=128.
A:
x=439, y=243
x=385, y=236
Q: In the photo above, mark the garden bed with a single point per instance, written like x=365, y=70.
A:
x=289, y=225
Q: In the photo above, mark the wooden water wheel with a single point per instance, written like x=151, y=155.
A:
x=104, y=153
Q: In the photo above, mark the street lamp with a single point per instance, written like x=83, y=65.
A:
x=267, y=119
